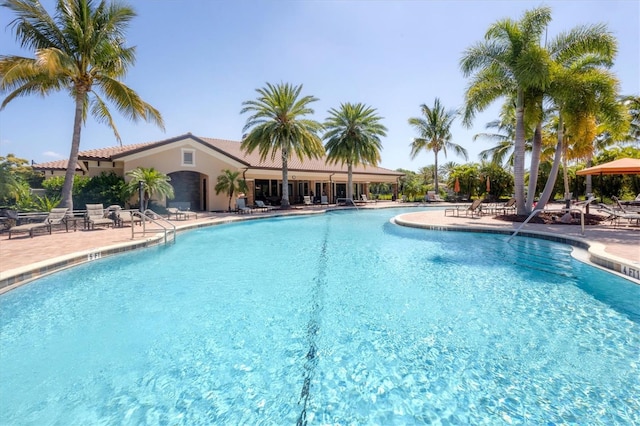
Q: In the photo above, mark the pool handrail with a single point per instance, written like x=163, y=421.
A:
x=148, y=215
x=565, y=210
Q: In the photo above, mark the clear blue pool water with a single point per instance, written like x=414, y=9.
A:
x=342, y=318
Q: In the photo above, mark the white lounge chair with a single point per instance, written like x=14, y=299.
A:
x=262, y=206
x=241, y=207
x=95, y=216
x=179, y=214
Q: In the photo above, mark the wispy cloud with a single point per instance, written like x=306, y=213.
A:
x=52, y=154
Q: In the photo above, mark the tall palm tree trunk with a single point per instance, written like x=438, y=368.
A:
x=67, y=188
x=350, y=181
x=565, y=172
x=284, y=203
x=553, y=175
x=435, y=172
x=518, y=155
x=536, y=150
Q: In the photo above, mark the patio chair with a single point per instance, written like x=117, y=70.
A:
x=241, y=207
x=433, y=197
x=95, y=216
x=56, y=217
x=508, y=207
x=475, y=209
x=366, y=199
x=262, y=206
x=622, y=207
x=616, y=216
x=120, y=216
x=307, y=200
x=324, y=200
x=179, y=214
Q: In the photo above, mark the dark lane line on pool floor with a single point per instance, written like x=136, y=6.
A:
x=313, y=328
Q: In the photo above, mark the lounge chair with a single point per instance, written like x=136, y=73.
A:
x=475, y=209
x=432, y=197
x=324, y=200
x=241, y=207
x=366, y=199
x=55, y=217
x=95, y=216
x=307, y=200
x=120, y=216
x=508, y=207
x=616, y=216
x=179, y=214
x=622, y=208
x=262, y=206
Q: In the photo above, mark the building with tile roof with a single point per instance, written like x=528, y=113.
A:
x=193, y=163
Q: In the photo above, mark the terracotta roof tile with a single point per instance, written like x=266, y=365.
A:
x=231, y=148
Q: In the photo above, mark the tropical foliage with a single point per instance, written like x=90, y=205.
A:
x=277, y=126
x=153, y=183
x=353, y=138
x=230, y=183
x=79, y=50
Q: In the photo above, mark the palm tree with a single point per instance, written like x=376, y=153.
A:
x=581, y=90
x=78, y=50
x=503, y=136
x=509, y=63
x=228, y=182
x=632, y=103
x=153, y=182
x=353, y=137
x=435, y=133
x=275, y=126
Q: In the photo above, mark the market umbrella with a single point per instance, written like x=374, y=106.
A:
x=456, y=186
x=624, y=166
x=488, y=185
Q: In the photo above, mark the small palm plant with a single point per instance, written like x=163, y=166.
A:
x=153, y=182
x=229, y=183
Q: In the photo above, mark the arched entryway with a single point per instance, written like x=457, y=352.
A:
x=189, y=189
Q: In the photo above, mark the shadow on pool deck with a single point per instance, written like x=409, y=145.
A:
x=23, y=258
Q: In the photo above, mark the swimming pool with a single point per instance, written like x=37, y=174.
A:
x=342, y=318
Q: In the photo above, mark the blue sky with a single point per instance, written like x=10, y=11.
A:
x=198, y=60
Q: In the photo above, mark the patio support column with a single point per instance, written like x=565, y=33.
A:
x=251, y=196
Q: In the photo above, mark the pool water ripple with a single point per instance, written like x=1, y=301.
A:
x=336, y=319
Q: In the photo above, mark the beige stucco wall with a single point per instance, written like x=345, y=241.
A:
x=168, y=159
x=209, y=163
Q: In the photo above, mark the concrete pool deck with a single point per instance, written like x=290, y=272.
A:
x=23, y=259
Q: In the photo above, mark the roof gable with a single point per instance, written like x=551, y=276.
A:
x=230, y=149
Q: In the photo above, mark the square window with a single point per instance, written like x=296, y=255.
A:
x=188, y=157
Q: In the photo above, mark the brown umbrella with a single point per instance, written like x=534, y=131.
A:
x=456, y=186
x=488, y=185
x=624, y=166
